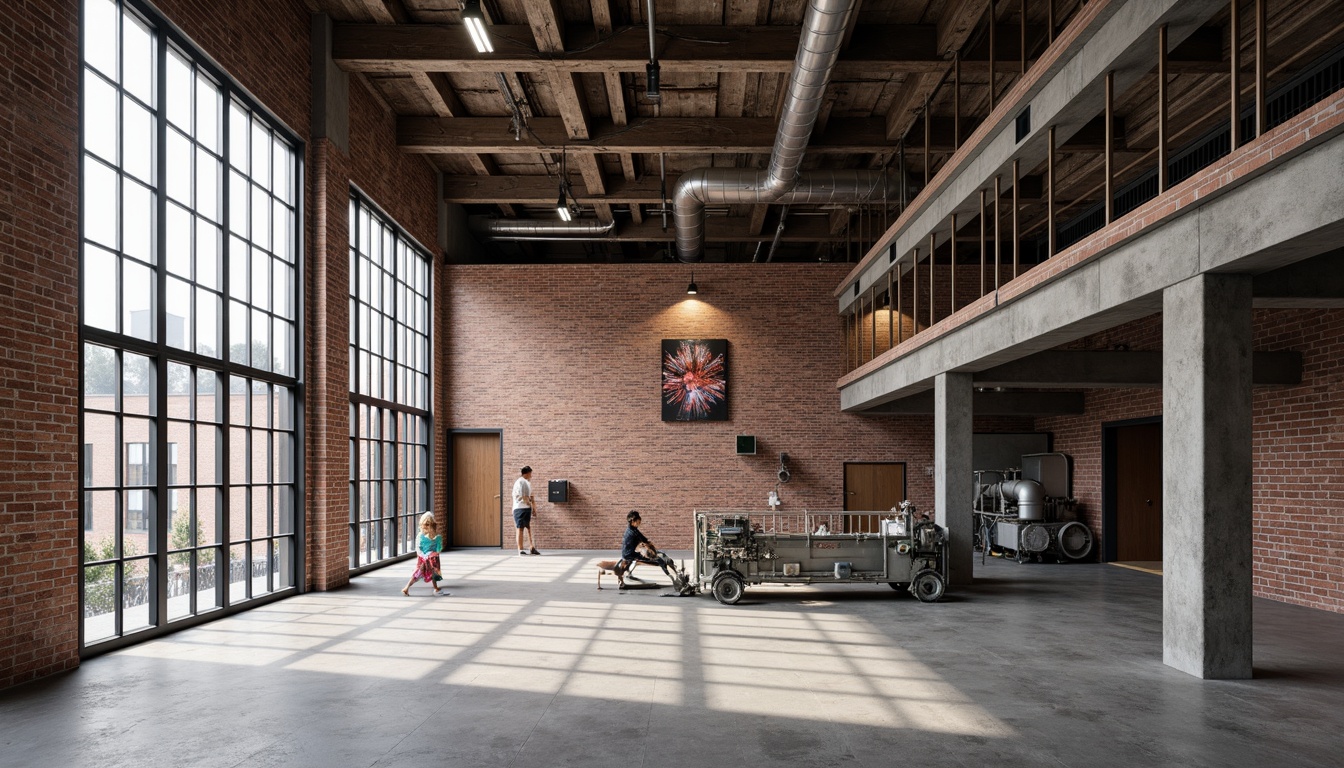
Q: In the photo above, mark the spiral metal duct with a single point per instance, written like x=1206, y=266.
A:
x=823, y=31
x=530, y=229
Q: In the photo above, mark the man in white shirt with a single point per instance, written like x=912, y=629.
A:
x=522, y=511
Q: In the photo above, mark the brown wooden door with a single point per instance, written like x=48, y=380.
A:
x=875, y=486
x=477, y=490
x=1138, y=492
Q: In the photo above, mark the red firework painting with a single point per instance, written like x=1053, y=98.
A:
x=695, y=379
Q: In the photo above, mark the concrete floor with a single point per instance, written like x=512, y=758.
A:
x=527, y=664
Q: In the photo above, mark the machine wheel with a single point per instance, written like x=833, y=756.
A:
x=1075, y=540
x=928, y=586
x=728, y=588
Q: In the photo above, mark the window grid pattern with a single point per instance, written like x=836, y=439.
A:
x=190, y=311
x=389, y=375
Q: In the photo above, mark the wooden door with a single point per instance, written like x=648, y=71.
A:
x=477, y=489
x=872, y=486
x=1138, y=492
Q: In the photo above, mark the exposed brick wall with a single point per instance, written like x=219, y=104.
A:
x=264, y=46
x=39, y=359
x=1298, y=446
x=565, y=359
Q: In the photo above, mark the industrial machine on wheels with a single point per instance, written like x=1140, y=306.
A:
x=736, y=549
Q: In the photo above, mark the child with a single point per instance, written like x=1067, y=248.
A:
x=427, y=555
x=635, y=548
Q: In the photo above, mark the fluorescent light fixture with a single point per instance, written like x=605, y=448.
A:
x=475, y=23
x=562, y=207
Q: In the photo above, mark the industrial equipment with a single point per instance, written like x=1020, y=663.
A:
x=898, y=547
x=1030, y=512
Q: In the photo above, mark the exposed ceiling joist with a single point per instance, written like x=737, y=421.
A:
x=875, y=48
x=694, y=135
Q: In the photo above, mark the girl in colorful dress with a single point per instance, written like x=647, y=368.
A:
x=427, y=555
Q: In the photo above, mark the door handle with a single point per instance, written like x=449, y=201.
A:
x=497, y=496
x=1149, y=502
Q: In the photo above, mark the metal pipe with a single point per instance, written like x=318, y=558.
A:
x=1029, y=494
x=1017, y=235
x=872, y=340
x=779, y=231
x=900, y=315
x=1261, y=43
x=933, y=244
x=992, y=55
x=928, y=139
x=952, y=238
x=662, y=185
x=905, y=176
x=891, y=314
x=998, y=234
x=1050, y=201
x=532, y=229
x=983, y=243
x=653, y=55
x=1050, y=21
x=914, y=293
x=818, y=48
x=1109, y=152
x=1234, y=53
x=956, y=100
x=1162, y=109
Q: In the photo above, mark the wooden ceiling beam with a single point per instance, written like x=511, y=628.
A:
x=541, y=190
x=873, y=48
x=685, y=135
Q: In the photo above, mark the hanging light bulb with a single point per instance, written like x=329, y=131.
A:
x=692, y=289
x=474, y=20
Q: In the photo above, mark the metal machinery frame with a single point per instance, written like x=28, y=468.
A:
x=1030, y=512
x=736, y=548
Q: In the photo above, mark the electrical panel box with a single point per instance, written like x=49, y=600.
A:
x=557, y=490
x=746, y=445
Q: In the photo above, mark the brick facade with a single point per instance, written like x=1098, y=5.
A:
x=565, y=359
x=39, y=312
x=252, y=40
x=1298, y=444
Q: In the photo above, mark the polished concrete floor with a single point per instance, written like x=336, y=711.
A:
x=527, y=664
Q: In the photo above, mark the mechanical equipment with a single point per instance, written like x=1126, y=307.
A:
x=897, y=547
x=1030, y=512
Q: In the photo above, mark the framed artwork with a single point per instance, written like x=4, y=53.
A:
x=695, y=379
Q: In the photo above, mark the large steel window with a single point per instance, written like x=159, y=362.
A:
x=389, y=386
x=190, y=297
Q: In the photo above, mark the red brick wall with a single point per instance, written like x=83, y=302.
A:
x=39, y=359
x=565, y=359
x=1298, y=447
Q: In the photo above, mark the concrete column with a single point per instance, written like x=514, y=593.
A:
x=952, y=471
x=1206, y=476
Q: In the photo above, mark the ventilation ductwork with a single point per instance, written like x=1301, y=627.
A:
x=528, y=229
x=823, y=32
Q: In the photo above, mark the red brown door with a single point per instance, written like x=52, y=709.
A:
x=476, y=492
x=872, y=486
x=1138, y=493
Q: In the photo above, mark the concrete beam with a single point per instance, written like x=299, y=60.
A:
x=1085, y=369
x=1236, y=231
x=1316, y=283
x=1206, y=477
x=993, y=404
